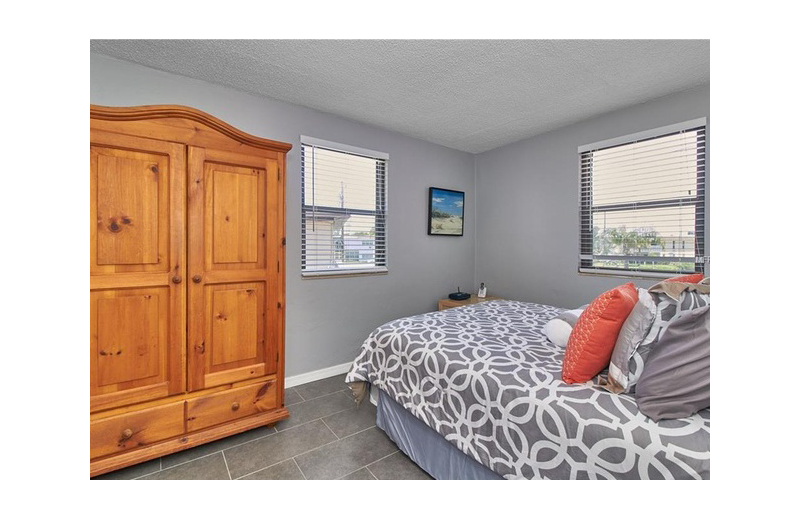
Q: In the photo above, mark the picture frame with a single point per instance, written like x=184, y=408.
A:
x=445, y=212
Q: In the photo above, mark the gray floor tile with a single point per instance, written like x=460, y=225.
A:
x=206, y=449
x=206, y=468
x=353, y=420
x=322, y=387
x=343, y=457
x=398, y=467
x=306, y=411
x=272, y=449
x=286, y=470
x=131, y=472
x=362, y=474
x=290, y=396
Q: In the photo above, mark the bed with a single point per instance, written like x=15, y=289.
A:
x=482, y=384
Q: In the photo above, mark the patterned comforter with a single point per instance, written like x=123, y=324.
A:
x=488, y=380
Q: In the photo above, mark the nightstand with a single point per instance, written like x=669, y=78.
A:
x=447, y=303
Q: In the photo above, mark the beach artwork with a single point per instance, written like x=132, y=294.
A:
x=445, y=212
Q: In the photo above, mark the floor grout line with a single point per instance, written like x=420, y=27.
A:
x=226, y=465
x=295, y=392
x=321, y=396
x=222, y=449
x=186, y=462
x=331, y=429
x=146, y=475
x=356, y=471
x=312, y=382
x=261, y=469
x=370, y=471
x=380, y=459
x=299, y=469
x=307, y=451
x=318, y=418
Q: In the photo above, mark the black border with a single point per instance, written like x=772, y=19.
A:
x=430, y=208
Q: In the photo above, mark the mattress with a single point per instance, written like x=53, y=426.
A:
x=488, y=381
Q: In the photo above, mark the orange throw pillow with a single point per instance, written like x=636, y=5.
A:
x=592, y=341
x=689, y=278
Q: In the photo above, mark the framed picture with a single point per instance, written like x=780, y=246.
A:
x=445, y=212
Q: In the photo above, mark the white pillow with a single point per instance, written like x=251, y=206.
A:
x=559, y=328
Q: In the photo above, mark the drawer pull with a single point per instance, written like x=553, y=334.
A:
x=127, y=434
x=235, y=406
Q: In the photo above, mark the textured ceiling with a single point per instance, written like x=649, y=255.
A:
x=472, y=95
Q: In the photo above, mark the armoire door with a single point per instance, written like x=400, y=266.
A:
x=234, y=281
x=137, y=266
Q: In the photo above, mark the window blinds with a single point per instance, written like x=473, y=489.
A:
x=343, y=209
x=642, y=203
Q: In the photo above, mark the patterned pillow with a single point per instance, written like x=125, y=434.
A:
x=667, y=311
x=633, y=332
x=592, y=340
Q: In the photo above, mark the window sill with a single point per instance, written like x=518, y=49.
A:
x=343, y=274
x=628, y=274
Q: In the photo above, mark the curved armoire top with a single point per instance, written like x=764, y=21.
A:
x=148, y=112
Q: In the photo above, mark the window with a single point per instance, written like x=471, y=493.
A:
x=343, y=209
x=642, y=201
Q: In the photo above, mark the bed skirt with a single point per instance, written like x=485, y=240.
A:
x=429, y=450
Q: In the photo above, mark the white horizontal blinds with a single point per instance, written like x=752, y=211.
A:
x=343, y=211
x=643, y=205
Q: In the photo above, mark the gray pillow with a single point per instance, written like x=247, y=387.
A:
x=667, y=311
x=631, y=335
x=676, y=381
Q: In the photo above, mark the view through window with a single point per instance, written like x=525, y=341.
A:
x=343, y=210
x=643, y=205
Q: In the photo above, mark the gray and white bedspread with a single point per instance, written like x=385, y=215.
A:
x=487, y=379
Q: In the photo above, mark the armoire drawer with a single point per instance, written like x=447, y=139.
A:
x=135, y=429
x=203, y=412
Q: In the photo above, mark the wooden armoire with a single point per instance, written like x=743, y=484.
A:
x=186, y=282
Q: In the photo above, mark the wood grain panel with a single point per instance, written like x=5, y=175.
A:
x=234, y=321
x=131, y=184
x=137, y=266
x=235, y=218
x=130, y=337
x=130, y=347
x=230, y=405
x=132, y=430
x=234, y=375
x=234, y=240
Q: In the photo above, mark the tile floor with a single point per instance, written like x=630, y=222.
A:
x=326, y=437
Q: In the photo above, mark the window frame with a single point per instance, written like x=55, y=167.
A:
x=381, y=209
x=585, y=211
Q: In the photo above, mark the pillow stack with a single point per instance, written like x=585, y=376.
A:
x=655, y=343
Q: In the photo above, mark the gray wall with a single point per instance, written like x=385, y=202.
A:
x=521, y=203
x=527, y=234
x=327, y=319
